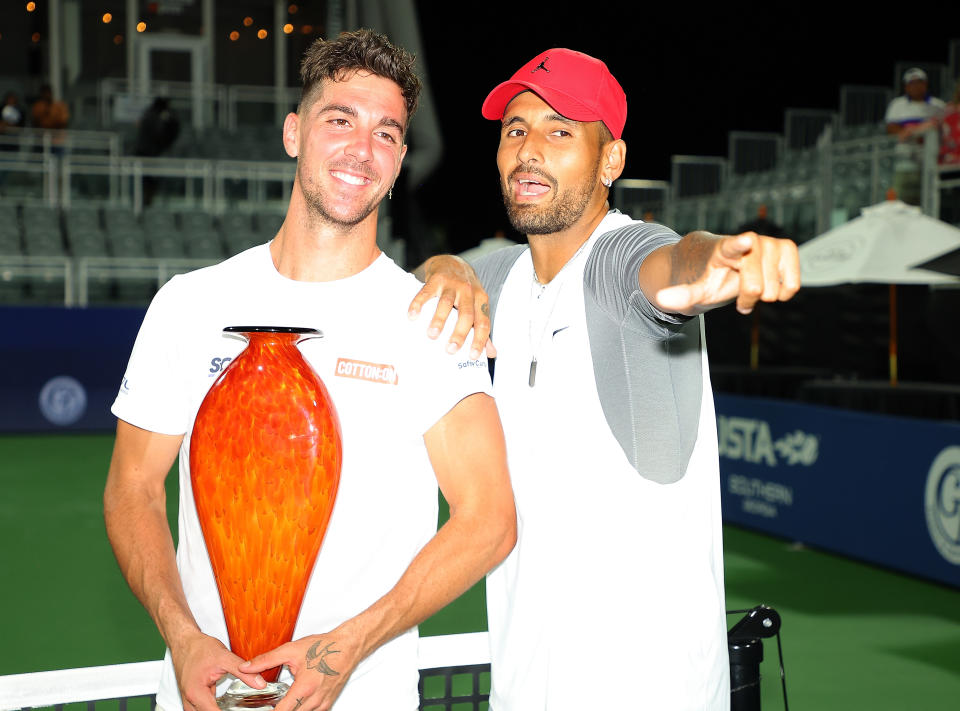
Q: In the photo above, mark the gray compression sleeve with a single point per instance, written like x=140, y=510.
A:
x=647, y=364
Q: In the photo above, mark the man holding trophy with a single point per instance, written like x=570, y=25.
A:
x=410, y=415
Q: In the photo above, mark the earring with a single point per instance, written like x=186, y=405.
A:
x=607, y=182
x=390, y=193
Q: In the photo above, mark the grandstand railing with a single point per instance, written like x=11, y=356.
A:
x=68, y=280
x=56, y=274
x=156, y=271
x=46, y=170
x=442, y=661
x=224, y=102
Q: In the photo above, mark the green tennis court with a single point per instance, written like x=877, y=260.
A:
x=854, y=636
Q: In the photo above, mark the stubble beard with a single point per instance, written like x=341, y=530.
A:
x=321, y=211
x=562, y=212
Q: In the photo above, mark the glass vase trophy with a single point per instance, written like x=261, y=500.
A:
x=265, y=456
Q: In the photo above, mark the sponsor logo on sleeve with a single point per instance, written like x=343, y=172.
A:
x=63, y=400
x=466, y=364
x=371, y=372
x=942, y=503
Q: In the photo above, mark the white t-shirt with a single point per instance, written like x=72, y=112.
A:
x=386, y=506
x=903, y=111
x=613, y=596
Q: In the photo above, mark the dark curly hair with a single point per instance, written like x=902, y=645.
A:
x=363, y=50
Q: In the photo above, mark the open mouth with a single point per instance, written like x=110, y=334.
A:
x=350, y=178
x=528, y=187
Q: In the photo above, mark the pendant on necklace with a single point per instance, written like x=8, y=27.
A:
x=531, y=381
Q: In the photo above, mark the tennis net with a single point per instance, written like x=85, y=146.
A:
x=454, y=676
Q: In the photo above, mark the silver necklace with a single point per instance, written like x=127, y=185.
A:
x=538, y=289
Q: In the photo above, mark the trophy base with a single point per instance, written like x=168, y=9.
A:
x=240, y=697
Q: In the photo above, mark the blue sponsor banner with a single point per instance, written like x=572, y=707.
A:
x=878, y=488
x=60, y=369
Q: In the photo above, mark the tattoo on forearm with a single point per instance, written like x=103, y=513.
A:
x=317, y=658
x=299, y=703
x=485, y=310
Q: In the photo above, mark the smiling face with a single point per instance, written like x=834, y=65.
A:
x=549, y=166
x=349, y=146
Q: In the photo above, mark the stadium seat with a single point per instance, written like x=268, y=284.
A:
x=195, y=221
x=269, y=224
x=81, y=218
x=239, y=241
x=43, y=242
x=10, y=242
x=127, y=243
x=87, y=242
x=41, y=218
x=204, y=244
x=120, y=220
x=166, y=244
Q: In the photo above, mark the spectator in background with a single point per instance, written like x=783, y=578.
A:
x=12, y=114
x=761, y=224
x=915, y=106
x=51, y=114
x=12, y=119
x=157, y=130
x=947, y=124
x=48, y=112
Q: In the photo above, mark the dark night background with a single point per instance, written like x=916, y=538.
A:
x=690, y=75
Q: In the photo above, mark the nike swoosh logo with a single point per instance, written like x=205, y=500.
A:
x=563, y=328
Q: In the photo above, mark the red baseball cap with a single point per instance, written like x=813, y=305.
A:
x=577, y=85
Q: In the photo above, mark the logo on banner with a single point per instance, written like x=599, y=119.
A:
x=63, y=400
x=942, y=503
x=750, y=440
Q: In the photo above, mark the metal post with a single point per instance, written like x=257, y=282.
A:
x=55, y=30
x=131, y=45
x=279, y=62
x=928, y=174
x=208, y=57
x=745, y=658
x=72, y=42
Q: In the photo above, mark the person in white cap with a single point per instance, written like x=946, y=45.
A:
x=915, y=106
x=613, y=597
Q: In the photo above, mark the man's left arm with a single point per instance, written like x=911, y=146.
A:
x=468, y=455
x=703, y=271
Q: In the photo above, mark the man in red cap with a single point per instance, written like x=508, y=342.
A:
x=613, y=596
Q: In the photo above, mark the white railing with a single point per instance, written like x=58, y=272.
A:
x=73, y=276
x=57, y=271
x=49, y=169
x=119, y=681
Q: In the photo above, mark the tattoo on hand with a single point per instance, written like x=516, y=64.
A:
x=317, y=658
x=485, y=310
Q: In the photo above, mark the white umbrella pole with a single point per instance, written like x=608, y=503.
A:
x=893, y=334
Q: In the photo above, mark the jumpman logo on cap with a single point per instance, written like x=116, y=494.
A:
x=542, y=65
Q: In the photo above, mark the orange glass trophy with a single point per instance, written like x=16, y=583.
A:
x=265, y=456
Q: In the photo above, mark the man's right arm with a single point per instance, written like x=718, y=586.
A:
x=135, y=514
